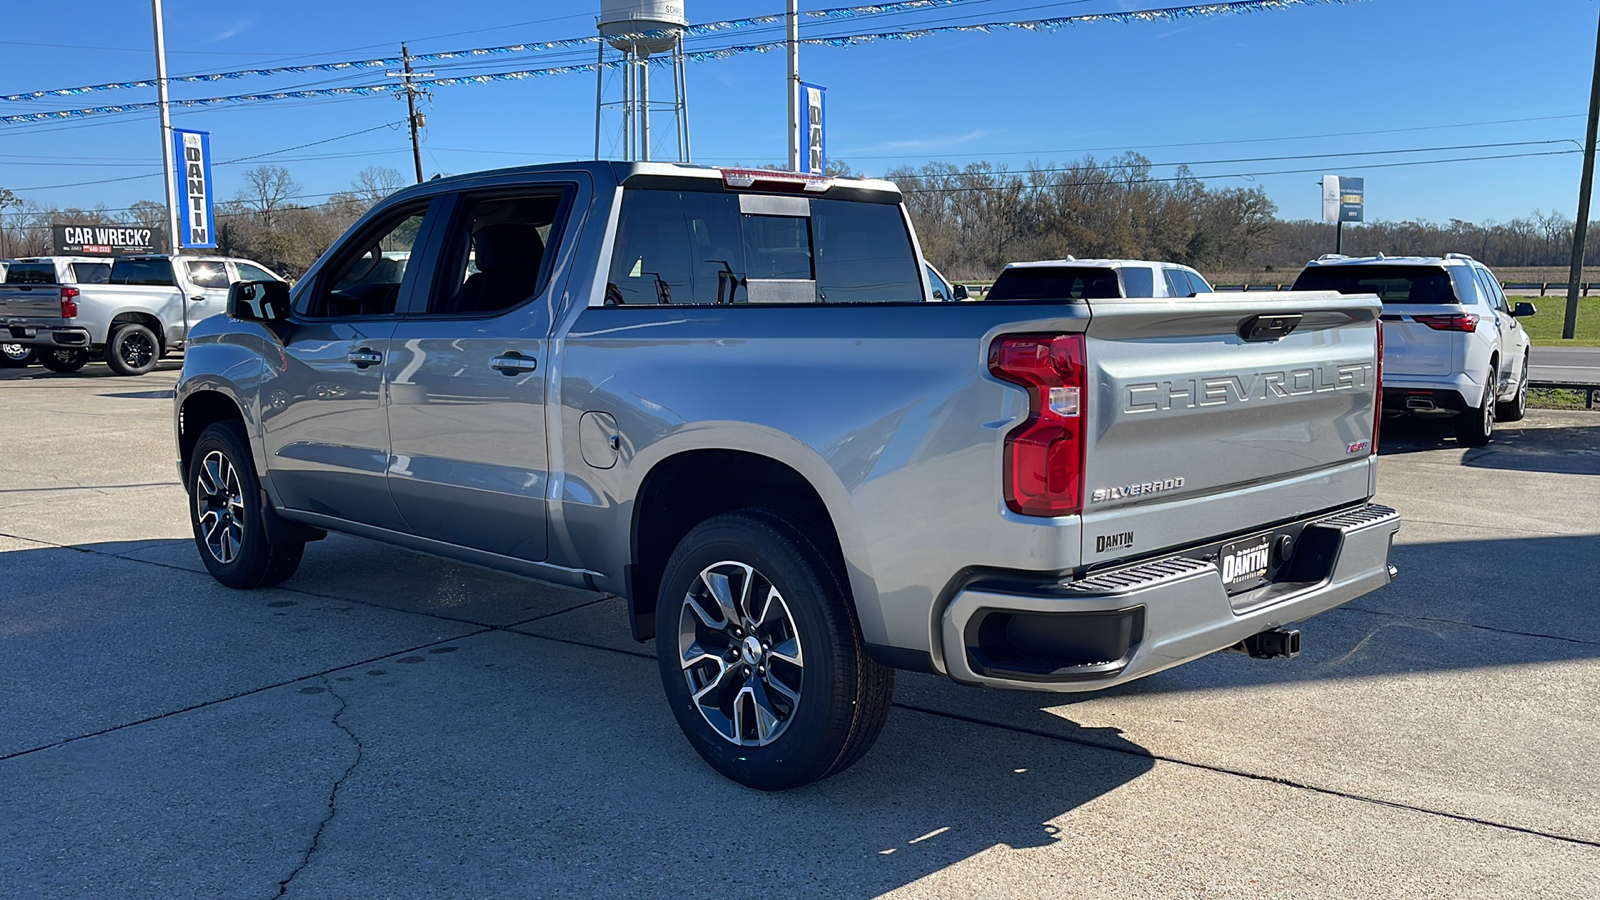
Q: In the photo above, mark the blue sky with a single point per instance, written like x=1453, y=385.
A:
x=1208, y=91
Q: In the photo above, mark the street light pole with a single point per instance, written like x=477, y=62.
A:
x=174, y=240
x=1586, y=187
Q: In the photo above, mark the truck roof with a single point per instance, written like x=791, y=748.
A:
x=614, y=172
x=1096, y=263
x=1336, y=259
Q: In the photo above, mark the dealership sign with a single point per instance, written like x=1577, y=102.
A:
x=196, y=226
x=813, y=137
x=107, y=240
x=1343, y=198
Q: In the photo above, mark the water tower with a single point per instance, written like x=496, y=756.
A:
x=639, y=29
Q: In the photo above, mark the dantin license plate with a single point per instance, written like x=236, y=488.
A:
x=1246, y=563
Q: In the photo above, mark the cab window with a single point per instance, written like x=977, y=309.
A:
x=364, y=280
x=248, y=272
x=156, y=272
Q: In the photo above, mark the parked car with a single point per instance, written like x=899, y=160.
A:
x=47, y=270
x=942, y=290
x=727, y=397
x=1452, y=342
x=132, y=310
x=1096, y=279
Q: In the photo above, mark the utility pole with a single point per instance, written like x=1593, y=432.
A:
x=173, y=240
x=794, y=85
x=416, y=119
x=1586, y=187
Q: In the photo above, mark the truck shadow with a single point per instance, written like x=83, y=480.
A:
x=92, y=370
x=1568, y=450
x=551, y=732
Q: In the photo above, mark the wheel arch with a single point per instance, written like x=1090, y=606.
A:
x=672, y=498
x=199, y=410
x=139, y=317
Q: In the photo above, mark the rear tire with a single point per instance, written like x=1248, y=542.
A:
x=225, y=513
x=1475, y=427
x=62, y=360
x=15, y=356
x=1514, y=409
x=133, y=349
x=761, y=655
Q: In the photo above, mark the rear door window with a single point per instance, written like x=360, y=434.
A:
x=1061, y=283
x=500, y=252
x=1392, y=284
x=208, y=273
x=91, y=272
x=1139, y=281
x=147, y=272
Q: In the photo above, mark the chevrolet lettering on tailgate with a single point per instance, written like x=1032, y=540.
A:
x=1217, y=390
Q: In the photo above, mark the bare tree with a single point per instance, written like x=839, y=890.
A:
x=270, y=189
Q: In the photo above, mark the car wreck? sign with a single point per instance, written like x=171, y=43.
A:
x=108, y=240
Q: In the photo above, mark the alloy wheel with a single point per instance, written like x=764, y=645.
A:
x=219, y=507
x=136, y=350
x=740, y=653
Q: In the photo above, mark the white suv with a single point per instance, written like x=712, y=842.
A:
x=1452, y=343
x=1095, y=279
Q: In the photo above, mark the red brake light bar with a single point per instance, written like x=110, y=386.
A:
x=1465, y=322
x=772, y=180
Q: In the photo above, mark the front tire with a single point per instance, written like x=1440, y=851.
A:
x=133, y=349
x=1475, y=427
x=15, y=356
x=63, y=360
x=225, y=512
x=761, y=655
x=1514, y=409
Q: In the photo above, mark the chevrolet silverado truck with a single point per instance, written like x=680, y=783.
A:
x=729, y=398
x=142, y=307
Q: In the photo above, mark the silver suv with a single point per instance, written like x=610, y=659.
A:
x=1453, y=344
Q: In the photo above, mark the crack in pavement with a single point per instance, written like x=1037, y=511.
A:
x=333, y=794
x=1489, y=628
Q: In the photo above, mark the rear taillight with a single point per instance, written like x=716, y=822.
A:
x=69, y=303
x=1456, y=322
x=770, y=180
x=1044, y=455
x=1377, y=397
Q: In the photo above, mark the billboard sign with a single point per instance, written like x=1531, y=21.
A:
x=107, y=240
x=1343, y=198
x=813, y=135
x=196, y=226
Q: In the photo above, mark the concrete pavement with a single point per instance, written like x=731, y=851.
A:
x=388, y=724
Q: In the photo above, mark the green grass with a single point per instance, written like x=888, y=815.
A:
x=1550, y=398
x=1545, y=328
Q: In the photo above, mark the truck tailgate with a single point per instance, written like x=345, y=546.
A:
x=1194, y=432
x=34, y=301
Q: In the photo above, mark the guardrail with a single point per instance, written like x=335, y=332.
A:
x=1518, y=288
x=1590, y=392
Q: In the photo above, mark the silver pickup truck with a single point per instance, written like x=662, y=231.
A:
x=728, y=397
x=132, y=313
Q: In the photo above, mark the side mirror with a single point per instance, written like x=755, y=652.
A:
x=959, y=292
x=1524, y=309
x=259, y=301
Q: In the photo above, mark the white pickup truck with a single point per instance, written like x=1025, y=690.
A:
x=141, y=309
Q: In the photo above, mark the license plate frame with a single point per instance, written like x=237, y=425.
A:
x=1247, y=563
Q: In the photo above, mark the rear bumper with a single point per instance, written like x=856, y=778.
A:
x=1123, y=624
x=31, y=334
x=1449, y=392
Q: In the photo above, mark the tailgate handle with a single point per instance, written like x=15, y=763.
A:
x=1269, y=327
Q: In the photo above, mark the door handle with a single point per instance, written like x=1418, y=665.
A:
x=199, y=299
x=514, y=363
x=365, y=357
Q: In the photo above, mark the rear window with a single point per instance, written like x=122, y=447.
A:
x=142, y=271
x=91, y=273
x=1055, y=283
x=1392, y=284
x=208, y=273
x=700, y=248
x=31, y=273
